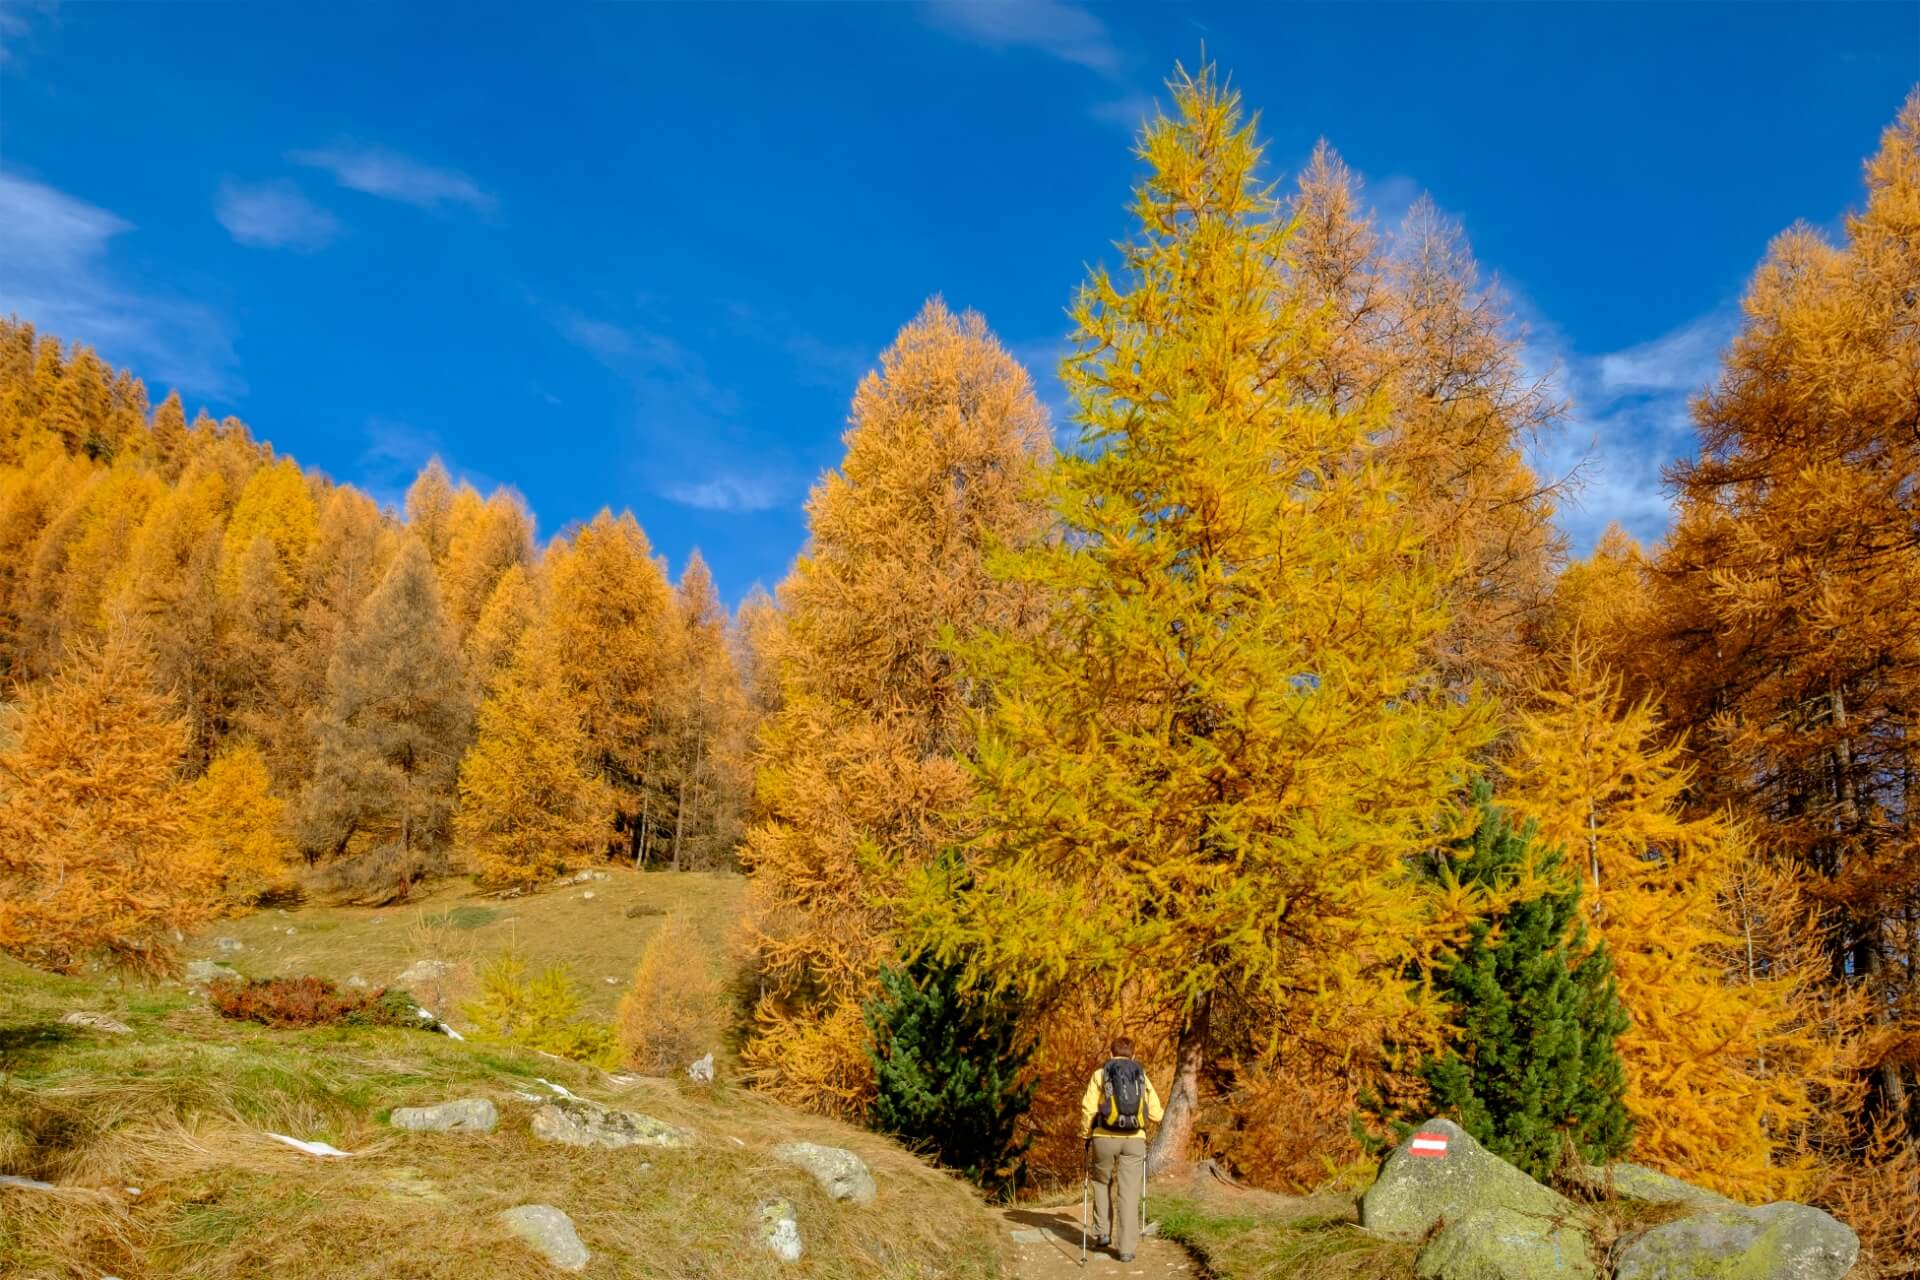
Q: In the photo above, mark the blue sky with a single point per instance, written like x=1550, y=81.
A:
x=636, y=255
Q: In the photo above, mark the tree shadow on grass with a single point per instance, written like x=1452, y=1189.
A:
x=20, y=1041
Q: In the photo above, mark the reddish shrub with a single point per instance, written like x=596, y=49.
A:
x=308, y=1002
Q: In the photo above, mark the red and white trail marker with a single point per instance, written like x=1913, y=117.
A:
x=1428, y=1146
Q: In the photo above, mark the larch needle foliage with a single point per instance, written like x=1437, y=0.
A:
x=1212, y=760
x=236, y=824
x=93, y=851
x=863, y=764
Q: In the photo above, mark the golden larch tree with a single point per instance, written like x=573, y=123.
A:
x=236, y=825
x=93, y=855
x=1214, y=758
x=863, y=766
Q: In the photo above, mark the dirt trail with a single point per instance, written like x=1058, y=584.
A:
x=1046, y=1244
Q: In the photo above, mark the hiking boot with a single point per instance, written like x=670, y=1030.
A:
x=1101, y=1242
x=1126, y=1257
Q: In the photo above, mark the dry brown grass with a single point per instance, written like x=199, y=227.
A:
x=180, y=1109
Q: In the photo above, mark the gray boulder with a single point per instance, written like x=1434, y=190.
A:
x=549, y=1233
x=421, y=972
x=1419, y=1185
x=780, y=1231
x=575, y=1122
x=1642, y=1185
x=1501, y=1244
x=464, y=1115
x=842, y=1174
x=1781, y=1241
x=96, y=1022
x=201, y=972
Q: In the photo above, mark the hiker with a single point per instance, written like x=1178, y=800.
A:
x=1116, y=1108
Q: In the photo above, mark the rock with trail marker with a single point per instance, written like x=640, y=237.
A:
x=549, y=1233
x=464, y=1115
x=1502, y=1244
x=575, y=1122
x=1781, y=1241
x=1642, y=1185
x=1440, y=1172
x=842, y=1174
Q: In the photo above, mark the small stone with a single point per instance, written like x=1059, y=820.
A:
x=356, y=982
x=612, y=982
x=549, y=1233
x=587, y=896
x=96, y=1022
x=575, y=1122
x=228, y=944
x=780, y=1231
x=422, y=971
x=291, y=931
x=201, y=972
x=465, y=1115
x=700, y=1070
x=842, y=1174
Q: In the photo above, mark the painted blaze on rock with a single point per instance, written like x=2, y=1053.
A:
x=1418, y=1188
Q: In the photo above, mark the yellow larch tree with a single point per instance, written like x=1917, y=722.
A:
x=513, y=607
x=93, y=855
x=495, y=538
x=1215, y=758
x=1726, y=1060
x=277, y=504
x=863, y=766
x=529, y=804
x=235, y=824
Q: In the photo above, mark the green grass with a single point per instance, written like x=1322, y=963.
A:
x=180, y=1108
x=463, y=928
x=1251, y=1236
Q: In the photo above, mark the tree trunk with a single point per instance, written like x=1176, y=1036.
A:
x=1169, y=1147
x=679, y=820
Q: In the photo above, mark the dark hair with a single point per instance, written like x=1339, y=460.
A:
x=1122, y=1047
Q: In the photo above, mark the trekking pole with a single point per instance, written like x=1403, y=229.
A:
x=1086, y=1185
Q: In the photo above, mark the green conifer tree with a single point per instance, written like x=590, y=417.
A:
x=950, y=1070
x=1533, y=1065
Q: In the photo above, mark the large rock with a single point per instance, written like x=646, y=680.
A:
x=780, y=1231
x=844, y=1175
x=464, y=1115
x=1781, y=1241
x=1638, y=1183
x=579, y=1123
x=1501, y=1244
x=1446, y=1174
x=550, y=1233
x=423, y=972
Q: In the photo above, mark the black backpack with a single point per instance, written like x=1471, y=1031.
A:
x=1123, y=1087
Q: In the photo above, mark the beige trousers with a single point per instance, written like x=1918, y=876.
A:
x=1119, y=1176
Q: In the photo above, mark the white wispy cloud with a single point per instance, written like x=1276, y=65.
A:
x=1058, y=28
x=377, y=171
x=1629, y=418
x=273, y=215
x=726, y=492
x=56, y=271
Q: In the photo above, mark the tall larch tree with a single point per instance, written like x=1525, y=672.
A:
x=529, y=804
x=616, y=638
x=1794, y=577
x=93, y=858
x=1729, y=1054
x=510, y=611
x=702, y=780
x=497, y=538
x=1231, y=702
x=390, y=735
x=277, y=505
x=430, y=509
x=864, y=764
x=235, y=824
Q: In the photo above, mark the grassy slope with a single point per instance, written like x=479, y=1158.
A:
x=456, y=924
x=179, y=1108
x=1256, y=1236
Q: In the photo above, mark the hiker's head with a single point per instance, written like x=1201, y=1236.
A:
x=1122, y=1046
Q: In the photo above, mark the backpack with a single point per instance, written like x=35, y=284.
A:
x=1123, y=1087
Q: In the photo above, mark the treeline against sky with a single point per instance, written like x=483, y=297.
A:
x=377, y=688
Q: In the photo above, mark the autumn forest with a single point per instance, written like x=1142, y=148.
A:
x=1206, y=714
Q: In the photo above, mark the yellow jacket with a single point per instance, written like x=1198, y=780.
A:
x=1090, y=1104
